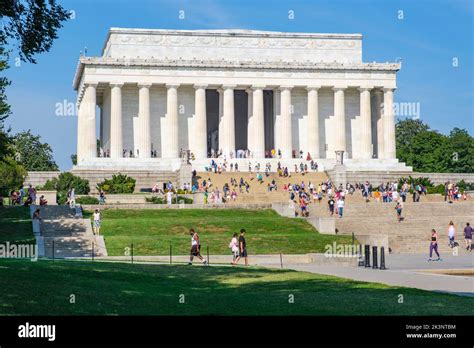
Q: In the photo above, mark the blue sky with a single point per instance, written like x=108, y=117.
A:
x=428, y=38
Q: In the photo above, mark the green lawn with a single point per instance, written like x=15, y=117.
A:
x=15, y=225
x=152, y=231
x=45, y=288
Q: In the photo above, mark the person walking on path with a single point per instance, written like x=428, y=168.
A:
x=195, y=248
x=331, y=205
x=451, y=234
x=242, y=248
x=434, y=245
x=234, y=247
x=468, y=236
x=340, y=206
x=97, y=220
x=399, y=208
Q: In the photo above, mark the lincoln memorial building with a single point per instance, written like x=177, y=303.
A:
x=238, y=95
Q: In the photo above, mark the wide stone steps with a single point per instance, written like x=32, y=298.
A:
x=259, y=191
x=66, y=234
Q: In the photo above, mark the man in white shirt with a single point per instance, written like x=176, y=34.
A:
x=340, y=206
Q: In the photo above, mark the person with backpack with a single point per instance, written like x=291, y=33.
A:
x=195, y=247
x=234, y=247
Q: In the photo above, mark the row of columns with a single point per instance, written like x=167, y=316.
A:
x=256, y=130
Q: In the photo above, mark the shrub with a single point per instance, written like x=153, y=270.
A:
x=465, y=186
x=63, y=183
x=185, y=200
x=436, y=189
x=66, y=181
x=87, y=200
x=423, y=181
x=155, y=200
x=160, y=200
x=119, y=183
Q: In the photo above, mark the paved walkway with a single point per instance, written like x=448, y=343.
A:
x=409, y=270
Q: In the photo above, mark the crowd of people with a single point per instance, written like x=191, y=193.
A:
x=25, y=196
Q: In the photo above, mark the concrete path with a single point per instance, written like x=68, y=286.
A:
x=409, y=270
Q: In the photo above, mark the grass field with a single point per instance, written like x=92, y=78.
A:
x=152, y=231
x=45, y=287
x=15, y=225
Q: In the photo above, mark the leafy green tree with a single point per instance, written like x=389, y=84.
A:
x=429, y=152
x=461, y=149
x=32, y=153
x=406, y=130
x=31, y=26
x=13, y=175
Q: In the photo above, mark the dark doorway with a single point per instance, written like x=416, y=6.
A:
x=212, y=119
x=241, y=119
x=268, y=117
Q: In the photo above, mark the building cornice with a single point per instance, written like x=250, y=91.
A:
x=205, y=64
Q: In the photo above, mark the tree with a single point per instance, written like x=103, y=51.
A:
x=461, y=149
x=31, y=26
x=32, y=153
x=405, y=131
x=430, y=152
x=13, y=175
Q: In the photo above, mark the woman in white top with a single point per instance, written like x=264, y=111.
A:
x=97, y=219
x=451, y=233
x=234, y=247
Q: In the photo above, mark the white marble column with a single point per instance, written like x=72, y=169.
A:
x=313, y=122
x=250, y=127
x=116, y=132
x=365, y=140
x=144, y=141
x=379, y=117
x=200, y=122
x=229, y=120
x=221, y=137
x=86, y=132
x=340, y=120
x=286, y=140
x=258, y=123
x=172, y=149
x=389, y=124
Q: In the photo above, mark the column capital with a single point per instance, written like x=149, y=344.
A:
x=224, y=87
x=91, y=84
x=285, y=87
x=363, y=88
x=339, y=88
x=172, y=85
x=144, y=84
x=312, y=88
x=255, y=87
x=200, y=85
x=116, y=84
x=388, y=89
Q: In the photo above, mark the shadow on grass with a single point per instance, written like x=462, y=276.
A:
x=15, y=225
x=45, y=287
